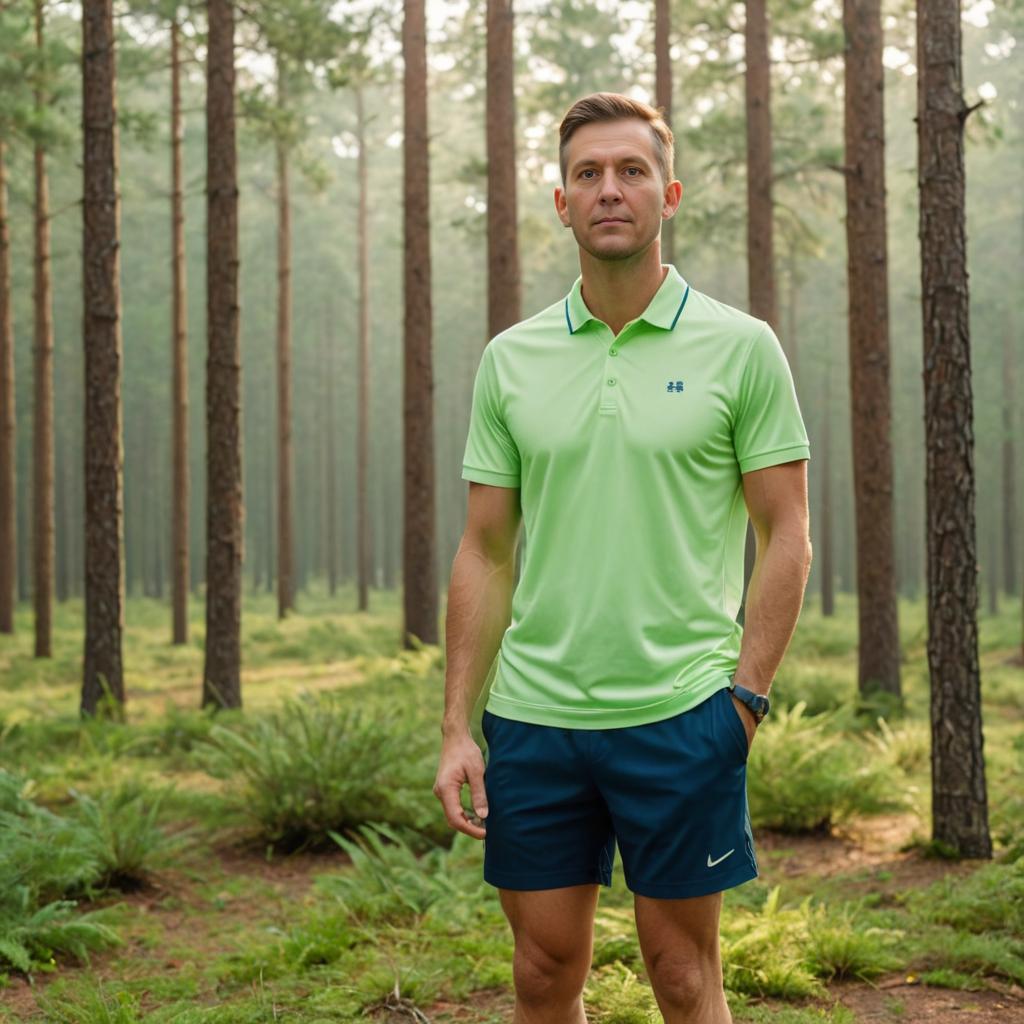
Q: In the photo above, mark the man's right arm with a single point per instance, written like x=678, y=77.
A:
x=478, y=613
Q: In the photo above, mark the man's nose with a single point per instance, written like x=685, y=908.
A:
x=610, y=190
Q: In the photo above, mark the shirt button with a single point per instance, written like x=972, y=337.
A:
x=613, y=351
x=611, y=381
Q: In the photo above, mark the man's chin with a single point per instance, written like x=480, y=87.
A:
x=613, y=253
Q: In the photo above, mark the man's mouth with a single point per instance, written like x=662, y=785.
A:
x=612, y=220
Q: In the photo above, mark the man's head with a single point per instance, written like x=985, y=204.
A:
x=615, y=156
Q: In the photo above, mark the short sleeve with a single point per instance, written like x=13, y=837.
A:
x=767, y=426
x=491, y=456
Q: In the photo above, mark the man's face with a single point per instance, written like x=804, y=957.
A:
x=614, y=199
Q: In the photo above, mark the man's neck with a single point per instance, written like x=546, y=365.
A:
x=617, y=291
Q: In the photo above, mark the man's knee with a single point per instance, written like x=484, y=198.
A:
x=545, y=977
x=685, y=983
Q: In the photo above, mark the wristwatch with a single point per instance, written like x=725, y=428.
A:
x=757, y=702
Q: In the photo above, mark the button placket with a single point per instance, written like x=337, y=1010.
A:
x=609, y=387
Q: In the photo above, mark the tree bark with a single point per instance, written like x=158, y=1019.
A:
x=8, y=449
x=364, y=542
x=504, y=283
x=285, y=545
x=760, y=233
x=42, y=415
x=179, y=359
x=868, y=325
x=959, y=799
x=419, y=556
x=103, y=671
x=222, y=666
x=331, y=472
x=663, y=100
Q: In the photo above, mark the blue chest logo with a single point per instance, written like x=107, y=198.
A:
x=674, y=385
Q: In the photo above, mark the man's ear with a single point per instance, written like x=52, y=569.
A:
x=561, y=206
x=673, y=196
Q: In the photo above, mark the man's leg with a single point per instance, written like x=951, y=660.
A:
x=679, y=942
x=554, y=940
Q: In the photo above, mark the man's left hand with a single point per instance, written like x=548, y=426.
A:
x=748, y=719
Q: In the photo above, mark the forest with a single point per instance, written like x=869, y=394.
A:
x=251, y=254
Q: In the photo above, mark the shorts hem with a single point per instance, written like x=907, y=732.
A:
x=701, y=887
x=530, y=883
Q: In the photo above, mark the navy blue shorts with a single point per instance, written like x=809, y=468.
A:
x=672, y=793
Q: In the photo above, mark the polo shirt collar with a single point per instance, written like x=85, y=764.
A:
x=662, y=311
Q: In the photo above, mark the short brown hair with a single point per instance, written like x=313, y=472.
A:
x=613, y=106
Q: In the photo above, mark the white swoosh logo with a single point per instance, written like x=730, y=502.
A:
x=712, y=863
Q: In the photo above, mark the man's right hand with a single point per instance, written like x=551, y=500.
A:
x=461, y=762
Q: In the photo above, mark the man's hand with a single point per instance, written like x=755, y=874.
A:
x=748, y=719
x=461, y=762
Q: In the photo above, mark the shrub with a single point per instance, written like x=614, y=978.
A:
x=989, y=899
x=43, y=859
x=122, y=834
x=806, y=775
x=31, y=935
x=315, y=765
x=763, y=954
x=389, y=883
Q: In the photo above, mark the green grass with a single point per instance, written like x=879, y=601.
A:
x=339, y=735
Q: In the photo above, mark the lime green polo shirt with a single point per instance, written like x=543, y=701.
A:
x=628, y=452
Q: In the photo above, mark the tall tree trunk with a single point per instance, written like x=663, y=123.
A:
x=285, y=545
x=825, y=527
x=364, y=541
x=419, y=555
x=179, y=359
x=760, y=232
x=504, y=284
x=104, y=457
x=222, y=667
x=663, y=100
x=8, y=449
x=42, y=442
x=331, y=473
x=959, y=800
x=1009, y=503
x=868, y=324
x=270, y=491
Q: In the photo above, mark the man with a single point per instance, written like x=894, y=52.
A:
x=632, y=427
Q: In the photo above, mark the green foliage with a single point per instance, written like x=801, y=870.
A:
x=31, y=935
x=987, y=900
x=943, y=977
x=617, y=996
x=92, y=1006
x=43, y=859
x=907, y=747
x=389, y=883
x=316, y=764
x=123, y=836
x=840, y=946
x=46, y=856
x=806, y=775
x=763, y=953
x=971, y=954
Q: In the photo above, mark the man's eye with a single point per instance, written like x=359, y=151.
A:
x=637, y=169
x=583, y=174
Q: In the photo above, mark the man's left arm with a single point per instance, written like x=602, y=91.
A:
x=776, y=499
